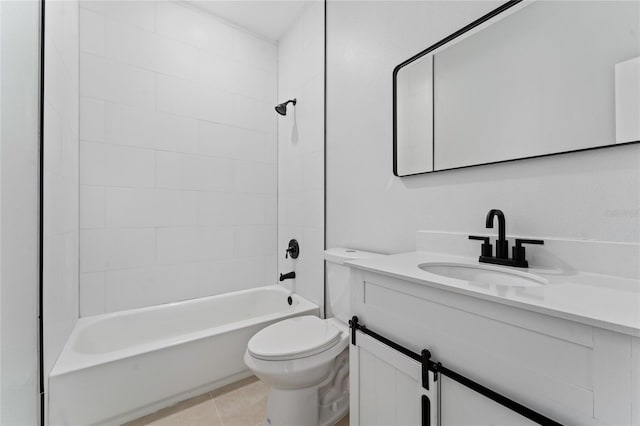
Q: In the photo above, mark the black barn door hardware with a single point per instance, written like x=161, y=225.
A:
x=438, y=369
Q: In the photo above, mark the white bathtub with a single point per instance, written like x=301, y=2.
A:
x=119, y=366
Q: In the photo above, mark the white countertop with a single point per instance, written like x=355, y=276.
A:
x=598, y=300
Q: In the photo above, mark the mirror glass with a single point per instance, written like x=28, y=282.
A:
x=536, y=79
x=414, y=124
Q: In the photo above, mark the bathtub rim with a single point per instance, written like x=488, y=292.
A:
x=71, y=361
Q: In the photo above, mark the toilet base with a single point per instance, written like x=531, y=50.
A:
x=321, y=405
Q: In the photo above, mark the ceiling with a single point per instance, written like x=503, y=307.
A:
x=268, y=18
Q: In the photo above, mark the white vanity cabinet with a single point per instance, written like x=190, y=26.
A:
x=570, y=371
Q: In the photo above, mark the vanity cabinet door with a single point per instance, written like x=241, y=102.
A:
x=386, y=387
x=568, y=371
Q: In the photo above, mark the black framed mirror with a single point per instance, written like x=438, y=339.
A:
x=528, y=79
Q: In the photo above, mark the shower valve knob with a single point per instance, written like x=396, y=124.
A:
x=293, y=250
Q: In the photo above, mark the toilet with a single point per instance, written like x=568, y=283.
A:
x=305, y=360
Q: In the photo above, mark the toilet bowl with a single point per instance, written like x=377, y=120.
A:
x=305, y=387
x=305, y=360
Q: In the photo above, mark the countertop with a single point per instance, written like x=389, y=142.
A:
x=602, y=301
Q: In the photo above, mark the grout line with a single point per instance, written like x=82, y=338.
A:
x=189, y=153
x=145, y=108
x=215, y=405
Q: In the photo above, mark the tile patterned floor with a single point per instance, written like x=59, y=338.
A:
x=243, y=403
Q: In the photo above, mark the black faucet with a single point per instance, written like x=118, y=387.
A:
x=502, y=245
x=287, y=276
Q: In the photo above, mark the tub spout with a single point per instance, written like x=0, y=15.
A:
x=287, y=276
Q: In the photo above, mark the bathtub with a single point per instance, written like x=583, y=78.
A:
x=119, y=366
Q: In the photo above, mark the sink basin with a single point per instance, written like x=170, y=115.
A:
x=486, y=275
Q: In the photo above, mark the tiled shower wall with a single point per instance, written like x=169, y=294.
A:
x=301, y=152
x=178, y=156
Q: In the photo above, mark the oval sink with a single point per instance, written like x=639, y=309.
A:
x=481, y=274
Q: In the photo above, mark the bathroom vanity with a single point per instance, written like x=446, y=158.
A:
x=561, y=337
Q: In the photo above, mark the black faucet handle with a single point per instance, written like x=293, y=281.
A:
x=518, y=252
x=479, y=238
x=293, y=249
x=520, y=241
x=487, y=248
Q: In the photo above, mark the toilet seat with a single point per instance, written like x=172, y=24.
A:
x=294, y=338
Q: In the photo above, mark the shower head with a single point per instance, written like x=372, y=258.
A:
x=282, y=108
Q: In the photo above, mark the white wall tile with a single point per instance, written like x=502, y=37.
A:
x=314, y=209
x=137, y=12
x=313, y=38
x=271, y=270
x=103, y=78
x=271, y=209
x=221, y=140
x=190, y=99
x=237, y=77
x=180, y=245
x=171, y=104
x=310, y=113
x=144, y=49
x=250, y=209
x=313, y=170
x=257, y=240
x=223, y=276
x=92, y=119
x=130, y=208
x=111, y=165
x=92, y=293
x=197, y=29
x=254, y=114
x=255, y=51
x=301, y=151
x=180, y=171
x=150, y=129
x=216, y=208
x=107, y=249
x=92, y=32
x=134, y=288
x=292, y=210
x=293, y=156
x=256, y=177
x=92, y=206
x=176, y=208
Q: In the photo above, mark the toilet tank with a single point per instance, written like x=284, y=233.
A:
x=338, y=280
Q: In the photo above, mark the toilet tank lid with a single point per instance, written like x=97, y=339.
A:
x=340, y=255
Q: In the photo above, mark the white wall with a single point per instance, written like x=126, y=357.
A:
x=178, y=156
x=301, y=152
x=589, y=195
x=20, y=106
x=60, y=238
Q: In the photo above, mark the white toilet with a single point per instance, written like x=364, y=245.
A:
x=305, y=360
